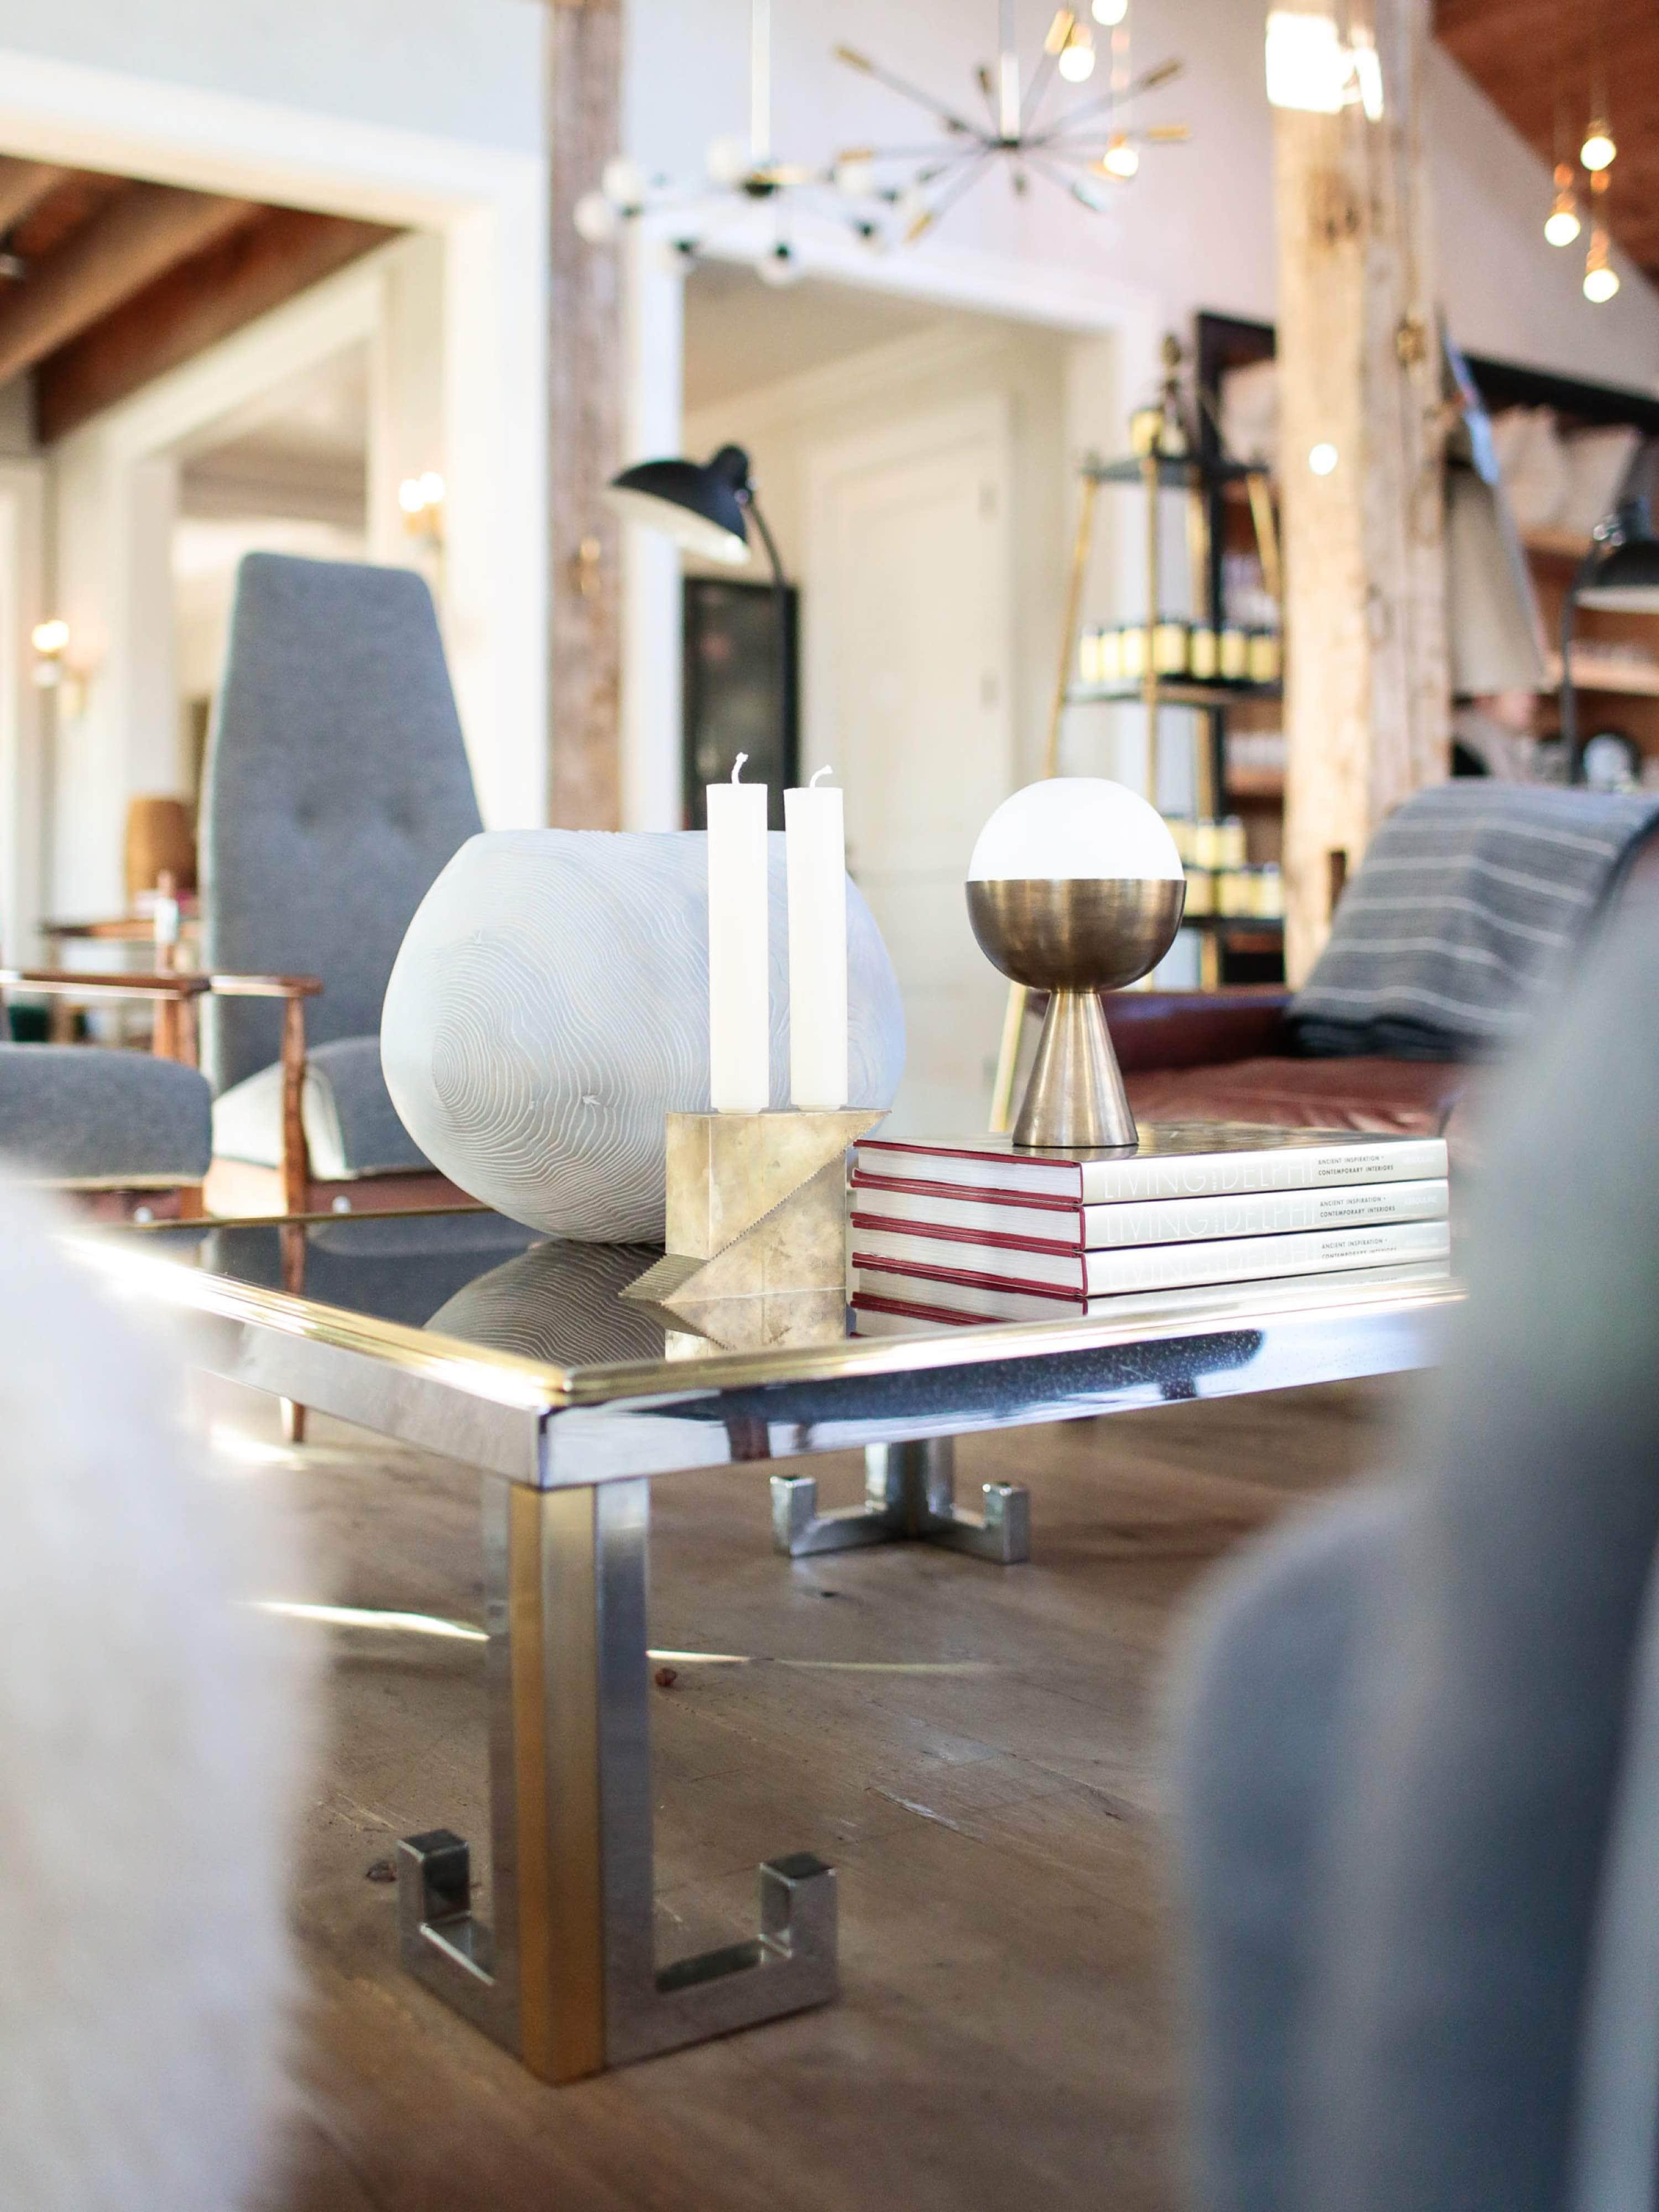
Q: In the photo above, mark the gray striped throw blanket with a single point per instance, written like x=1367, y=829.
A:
x=1472, y=900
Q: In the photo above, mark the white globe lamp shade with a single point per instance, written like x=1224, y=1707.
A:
x=622, y=182
x=728, y=161
x=779, y=264
x=855, y=177
x=595, y=219
x=1072, y=827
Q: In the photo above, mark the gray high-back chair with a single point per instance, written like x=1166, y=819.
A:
x=338, y=789
x=1416, y=1796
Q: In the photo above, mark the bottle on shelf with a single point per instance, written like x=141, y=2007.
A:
x=1169, y=649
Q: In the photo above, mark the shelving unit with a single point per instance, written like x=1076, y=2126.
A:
x=1622, y=694
x=1616, y=678
x=1172, y=691
x=1202, y=480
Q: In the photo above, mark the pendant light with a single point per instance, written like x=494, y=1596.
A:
x=1562, y=225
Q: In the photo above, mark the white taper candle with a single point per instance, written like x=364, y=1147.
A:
x=739, y=1046
x=816, y=842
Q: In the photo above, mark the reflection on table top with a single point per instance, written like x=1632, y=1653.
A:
x=510, y=1315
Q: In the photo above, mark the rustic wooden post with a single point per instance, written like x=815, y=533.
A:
x=584, y=129
x=1367, y=706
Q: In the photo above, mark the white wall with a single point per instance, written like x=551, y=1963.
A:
x=466, y=70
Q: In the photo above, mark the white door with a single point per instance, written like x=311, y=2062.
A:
x=908, y=692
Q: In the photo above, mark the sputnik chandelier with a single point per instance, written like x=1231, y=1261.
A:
x=742, y=176
x=1090, y=151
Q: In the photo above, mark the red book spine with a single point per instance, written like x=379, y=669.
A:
x=969, y=1193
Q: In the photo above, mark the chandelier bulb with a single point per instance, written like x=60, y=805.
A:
x=624, y=184
x=595, y=219
x=1601, y=277
x=1120, y=160
x=728, y=161
x=1598, y=148
x=780, y=266
x=1077, y=55
x=1109, y=11
x=1562, y=226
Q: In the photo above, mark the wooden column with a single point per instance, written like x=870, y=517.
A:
x=584, y=63
x=1367, y=711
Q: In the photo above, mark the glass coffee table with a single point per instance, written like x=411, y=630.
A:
x=521, y=1359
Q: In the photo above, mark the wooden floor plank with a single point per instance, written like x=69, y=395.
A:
x=1005, y=2028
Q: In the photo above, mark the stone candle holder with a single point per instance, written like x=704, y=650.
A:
x=757, y=1227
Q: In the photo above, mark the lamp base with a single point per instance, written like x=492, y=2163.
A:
x=1075, y=1100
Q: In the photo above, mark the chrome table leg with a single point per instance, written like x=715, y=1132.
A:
x=566, y=1976
x=909, y=1491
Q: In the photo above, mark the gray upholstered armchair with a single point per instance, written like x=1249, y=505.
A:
x=1416, y=1790
x=337, y=788
x=125, y=1134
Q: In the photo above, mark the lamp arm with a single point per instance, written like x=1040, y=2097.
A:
x=1575, y=764
x=781, y=605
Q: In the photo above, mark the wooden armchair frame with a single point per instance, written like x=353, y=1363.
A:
x=242, y=1188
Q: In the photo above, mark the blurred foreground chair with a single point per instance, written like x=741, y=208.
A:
x=337, y=788
x=150, y=1736
x=126, y=1135
x=1418, y=1766
x=1473, y=899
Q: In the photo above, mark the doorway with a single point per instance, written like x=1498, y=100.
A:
x=910, y=685
x=914, y=460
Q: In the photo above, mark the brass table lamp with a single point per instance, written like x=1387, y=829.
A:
x=1075, y=888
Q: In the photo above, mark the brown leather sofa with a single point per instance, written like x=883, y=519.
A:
x=1225, y=1057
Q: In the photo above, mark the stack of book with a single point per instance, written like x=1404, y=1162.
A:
x=959, y=1231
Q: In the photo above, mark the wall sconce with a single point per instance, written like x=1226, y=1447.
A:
x=52, y=671
x=422, y=499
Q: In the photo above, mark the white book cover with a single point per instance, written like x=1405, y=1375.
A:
x=1192, y=1159
x=1003, y=1221
x=893, y=1305
x=1081, y=1275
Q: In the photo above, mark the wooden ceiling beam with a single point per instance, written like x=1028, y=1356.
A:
x=263, y=261
x=24, y=185
x=131, y=240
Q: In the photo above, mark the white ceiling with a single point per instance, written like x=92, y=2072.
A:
x=741, y=334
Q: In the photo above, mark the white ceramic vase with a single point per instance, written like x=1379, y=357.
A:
x=550, y=1006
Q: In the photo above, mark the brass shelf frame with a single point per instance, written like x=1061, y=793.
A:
x=1196, y=479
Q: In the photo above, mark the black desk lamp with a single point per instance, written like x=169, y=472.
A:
x=704, y=506
x=1619, y=571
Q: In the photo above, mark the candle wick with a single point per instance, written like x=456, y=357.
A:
x=812, y=781
x=737, y=766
